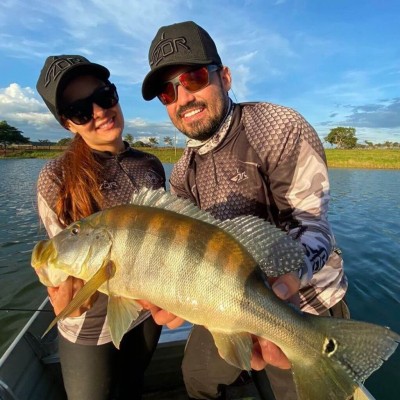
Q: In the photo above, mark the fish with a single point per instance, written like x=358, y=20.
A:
x=167, y=251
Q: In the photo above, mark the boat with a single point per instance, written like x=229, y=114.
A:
x=30, y=367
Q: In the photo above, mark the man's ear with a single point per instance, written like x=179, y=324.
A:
x=226, y=78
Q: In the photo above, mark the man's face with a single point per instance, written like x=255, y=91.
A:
x=198, y=115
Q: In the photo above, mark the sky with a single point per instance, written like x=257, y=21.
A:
x=337, y=62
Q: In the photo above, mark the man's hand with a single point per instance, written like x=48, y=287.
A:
x=62, y=295
x=286, y=287
x=265, y=352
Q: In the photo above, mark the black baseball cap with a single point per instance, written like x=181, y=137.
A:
x=184, y=43
x=58, y=71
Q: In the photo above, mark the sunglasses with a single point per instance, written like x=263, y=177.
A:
x=80, y=112
x=192, y=81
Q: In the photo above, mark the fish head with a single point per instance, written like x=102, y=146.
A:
x=79, y=250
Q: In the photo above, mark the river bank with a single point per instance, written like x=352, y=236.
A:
x=337, y=158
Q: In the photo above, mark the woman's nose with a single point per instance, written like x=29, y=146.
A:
x=98, y=111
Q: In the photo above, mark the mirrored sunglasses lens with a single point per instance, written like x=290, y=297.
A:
x=194, y=80
x=167, y=95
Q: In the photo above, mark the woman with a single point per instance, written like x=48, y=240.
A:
x=97, y=171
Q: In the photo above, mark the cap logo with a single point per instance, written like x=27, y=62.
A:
x=166, y=47
x=58, y=66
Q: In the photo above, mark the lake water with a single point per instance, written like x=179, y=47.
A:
x=365, y=214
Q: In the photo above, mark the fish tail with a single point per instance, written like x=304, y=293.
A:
x=349, y=354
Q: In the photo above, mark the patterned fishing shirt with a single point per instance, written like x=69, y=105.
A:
x=267, y=160
x=123, y=175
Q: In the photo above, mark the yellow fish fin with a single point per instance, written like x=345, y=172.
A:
x=351, y=351
x=323, y=380
x=121, y=312
x=234, y=348
x=362, y=393
x=105, y=272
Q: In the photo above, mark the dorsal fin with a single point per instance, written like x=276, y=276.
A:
x=275, y=252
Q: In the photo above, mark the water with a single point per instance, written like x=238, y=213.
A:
x=365, y=214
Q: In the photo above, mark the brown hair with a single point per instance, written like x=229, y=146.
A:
x=79, y=195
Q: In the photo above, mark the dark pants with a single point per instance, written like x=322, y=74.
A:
x=104, y=372
x=205, y=373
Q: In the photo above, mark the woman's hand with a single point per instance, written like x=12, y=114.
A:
x=162, y=317
x=62, y=295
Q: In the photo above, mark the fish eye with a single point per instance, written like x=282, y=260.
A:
x=75, y=230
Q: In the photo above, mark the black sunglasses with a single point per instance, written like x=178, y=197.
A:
x=80, y=112
x=193, y=81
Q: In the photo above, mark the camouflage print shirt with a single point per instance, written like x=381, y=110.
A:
x=123, y=174
x=267, y=160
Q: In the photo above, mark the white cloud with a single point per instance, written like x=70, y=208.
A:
x=15, y=99
x=21, y=108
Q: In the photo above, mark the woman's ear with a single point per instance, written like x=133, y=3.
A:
x=67, y=125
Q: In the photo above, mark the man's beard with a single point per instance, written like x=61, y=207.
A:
x=204, y=129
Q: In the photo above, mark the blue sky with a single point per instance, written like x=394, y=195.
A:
x=337, y=62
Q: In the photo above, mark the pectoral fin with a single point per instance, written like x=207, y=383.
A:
x=362, y=393
x=121, y=312
x=105, y=272
x=235, y=348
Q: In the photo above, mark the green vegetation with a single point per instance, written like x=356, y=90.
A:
x=364, y=158
x=337, y=158
x=9, y=135
x=45, y=153
x=347, y=154
x=343, y=138
x=165, y=154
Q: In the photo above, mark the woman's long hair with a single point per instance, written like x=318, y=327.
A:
x=79, y=194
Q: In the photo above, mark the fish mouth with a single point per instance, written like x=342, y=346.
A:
x=43, y=255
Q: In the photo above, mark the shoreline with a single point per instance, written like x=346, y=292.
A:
x=388, y=159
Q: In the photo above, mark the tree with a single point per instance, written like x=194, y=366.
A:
x=343, y=138
x=129, y=138
x=11, y=135
x=368, y=143
x=153, y=141
x=139, y=143
x=168, y=141
x=64, y=141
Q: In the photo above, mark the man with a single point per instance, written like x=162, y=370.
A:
x=251, y=158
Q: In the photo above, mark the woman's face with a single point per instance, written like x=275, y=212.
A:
x=104, y=131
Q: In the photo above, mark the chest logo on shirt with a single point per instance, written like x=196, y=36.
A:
x=240, y=176
x=108, y=185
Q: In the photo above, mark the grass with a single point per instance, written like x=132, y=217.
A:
x=165, y=154
x=355, y=158
x=31, y=154
x=364, y=158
